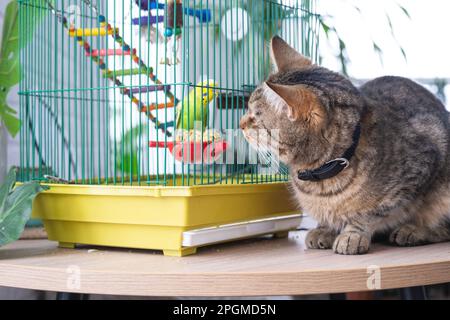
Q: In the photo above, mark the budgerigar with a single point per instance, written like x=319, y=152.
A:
x=195, y=107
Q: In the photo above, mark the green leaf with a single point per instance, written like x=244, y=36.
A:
x=9, y=54
x=127, y=159
x=391, y=27
x=9, y=72
x=10, y=35
x=13, y=225
x=342, y=45
x=405, y=11
x=8, y=115
x=377, y=48
x=403, y=53
x=9, y=66
x=357, y=9
x=17, y=211
x=378, y=51
x=9, y=109
x=12, y=123
x=6, y=188
x=326, y=28
x=342, y=56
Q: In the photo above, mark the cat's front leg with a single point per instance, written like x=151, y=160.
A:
x=353, y=240
x=410, y=235
x=320, y=238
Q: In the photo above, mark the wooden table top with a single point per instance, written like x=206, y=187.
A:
x=246, y=268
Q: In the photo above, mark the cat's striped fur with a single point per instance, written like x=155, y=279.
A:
x=399, y=179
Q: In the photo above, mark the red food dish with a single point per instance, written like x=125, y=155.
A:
x=194, y=152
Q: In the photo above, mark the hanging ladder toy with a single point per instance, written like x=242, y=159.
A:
x=106, y=29
x=188, y=148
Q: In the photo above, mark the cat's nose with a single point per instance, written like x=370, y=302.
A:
x=245, y=121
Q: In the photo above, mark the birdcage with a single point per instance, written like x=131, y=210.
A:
x=130, y=113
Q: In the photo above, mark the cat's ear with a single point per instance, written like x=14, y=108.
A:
x=298, y=102
x=285, y=57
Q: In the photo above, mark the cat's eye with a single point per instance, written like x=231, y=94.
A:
x=258, y=113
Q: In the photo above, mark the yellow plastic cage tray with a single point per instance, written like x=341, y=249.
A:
x=176, y=220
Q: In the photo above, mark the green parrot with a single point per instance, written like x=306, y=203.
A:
x=195, y=107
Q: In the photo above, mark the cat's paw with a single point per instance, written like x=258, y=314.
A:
x=406, y=236
x=351, y=243
x=320, y=238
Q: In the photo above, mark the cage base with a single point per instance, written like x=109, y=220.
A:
x=175, y=220
x=169, y=240
x=181, y=252
x=66, y=245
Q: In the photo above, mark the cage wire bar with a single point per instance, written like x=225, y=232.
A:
x=106, y=84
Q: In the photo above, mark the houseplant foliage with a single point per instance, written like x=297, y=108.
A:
x=277, y=11
x=11, y=43
x=15, y=206
x=334, y=36
x=9, y=66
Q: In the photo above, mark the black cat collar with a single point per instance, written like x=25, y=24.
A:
x=334, y=167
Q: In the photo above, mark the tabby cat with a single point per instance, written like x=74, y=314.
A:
x=364, y=161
